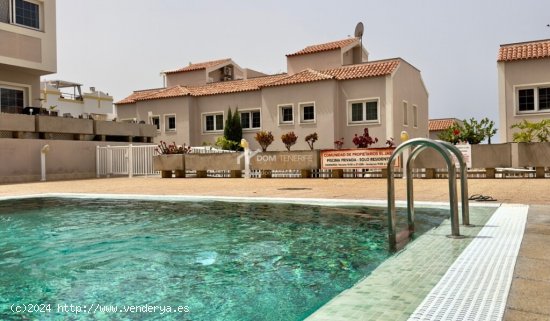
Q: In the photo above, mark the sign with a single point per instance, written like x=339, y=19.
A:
x=357, y=158
x=466, y=150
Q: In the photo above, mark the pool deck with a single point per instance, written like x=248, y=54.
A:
x=530, y=291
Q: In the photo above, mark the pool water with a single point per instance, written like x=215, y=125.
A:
x=212, y=260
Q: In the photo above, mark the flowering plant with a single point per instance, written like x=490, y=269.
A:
x=365, y=140
x=339, y=143
x=165, y=149
x=311, y=139
x=289, y=139
x=264, y=138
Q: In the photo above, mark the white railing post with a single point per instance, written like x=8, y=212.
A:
x=130, y=162
x=109, y=161
x=97, y=162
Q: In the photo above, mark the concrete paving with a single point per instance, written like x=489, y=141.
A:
x=530, y=292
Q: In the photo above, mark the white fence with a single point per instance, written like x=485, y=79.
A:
x=125, y=160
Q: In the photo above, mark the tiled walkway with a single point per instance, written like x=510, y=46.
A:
x=398, y=286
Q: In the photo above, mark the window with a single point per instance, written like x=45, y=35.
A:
x=27, y=14
x=415, y=116
x=307, y=113
x=155, y=120
x=533, y=99
x=365, y=111
x=405, y=114
x=12, y=100
x=250, y=119
x=286, y=114
x=170, y=123
x=213, y=122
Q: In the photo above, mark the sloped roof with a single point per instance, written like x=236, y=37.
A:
x=364, y=70
x=136, y=95
x=200, y=65
x=524, y=50
x=175, y=91
x=306, y=75
x=325, y=47
x=441, y=124
x=227, y=87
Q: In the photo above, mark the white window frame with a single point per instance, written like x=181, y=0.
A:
x=167, y=123
x=405, y=114
x=160, y=121
x=214, y=113
x=363, y=122
x=301, y=108
x=535, y=88
x=280, y=114
x=250, y=111
x=40, y=15
x=24, y=88
x=415, y=116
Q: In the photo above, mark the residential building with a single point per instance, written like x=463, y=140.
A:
x=523, y=84
x=331, y=88
x=27, y=51
x=437, y=126
x=64, y=98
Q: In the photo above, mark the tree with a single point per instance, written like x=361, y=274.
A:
x=289, y=139
x=233, y=131
x=264, y=138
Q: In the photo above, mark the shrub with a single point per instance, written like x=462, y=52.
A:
x=264, y=138
x=226, y=144
x=471, y=131
x=365, y=140
x=165, y=149
x=339, y=143
x=289, y=139
x=389, y=142
x=311, y=139
x=532, y=132
x=233, y=130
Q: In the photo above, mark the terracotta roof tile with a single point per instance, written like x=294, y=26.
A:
x=200, y=65
x=441, y=124
x=226, y=87
x=306, y=75
x=171, y=92
x=325, y=47
x=136, y=95
x=365, y=70
x=525, y=50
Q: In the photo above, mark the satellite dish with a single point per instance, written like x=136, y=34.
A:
x=359, y=30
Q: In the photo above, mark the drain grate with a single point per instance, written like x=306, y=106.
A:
x=476, y=285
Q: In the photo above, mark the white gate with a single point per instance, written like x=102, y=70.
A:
x=125, y=160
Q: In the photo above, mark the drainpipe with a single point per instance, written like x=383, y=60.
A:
x=45, y=149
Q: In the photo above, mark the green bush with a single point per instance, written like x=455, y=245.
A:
x=532, y=132
x=471, y=131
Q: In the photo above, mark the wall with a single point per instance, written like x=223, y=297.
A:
x=408, y=86
x=66, y=159
x=359, y=89
x=221, y=103
x=321, y=92
x=318, y=61
x=519, y=73
x=20, y=44
x=187, y=78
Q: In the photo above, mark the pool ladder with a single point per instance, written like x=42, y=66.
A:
x=444, y=149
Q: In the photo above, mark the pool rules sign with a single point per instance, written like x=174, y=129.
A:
x=357, y=158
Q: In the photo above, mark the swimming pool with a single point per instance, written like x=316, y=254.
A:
x=202, y=260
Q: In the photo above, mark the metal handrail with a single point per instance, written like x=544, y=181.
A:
x=443, y=149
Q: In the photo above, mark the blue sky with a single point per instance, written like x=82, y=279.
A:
x=120, y=46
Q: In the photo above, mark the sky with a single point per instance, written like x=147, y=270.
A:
x=123, y=45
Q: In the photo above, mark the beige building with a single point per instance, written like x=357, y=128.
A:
x=27, y=51
x=523, y=84
x=332, y=89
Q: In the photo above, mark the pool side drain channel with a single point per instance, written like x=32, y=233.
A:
x=477, y=284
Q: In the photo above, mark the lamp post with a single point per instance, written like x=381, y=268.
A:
x=245, y=145
x=404, y=138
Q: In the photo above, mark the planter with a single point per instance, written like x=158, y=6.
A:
x=167, y=164
x=221, y=162
x=293, y=160
x=16, y=123
x=62, y=125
